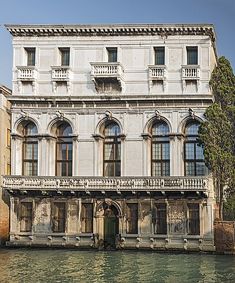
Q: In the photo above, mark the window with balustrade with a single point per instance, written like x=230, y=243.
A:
x=132, y=218
x=193, y=152
x=58, y=217
x=160, y=149
x=65, y=56
x=64, y=149
x=31, y=55
x=159, y=53
x=112, y=149
x=30, y=149
x=192, y=55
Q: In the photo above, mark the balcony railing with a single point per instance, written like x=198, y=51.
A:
x=27, y=73
x=157, y=72
x=105, y=183
x=60, y=73
x=191, y=72
x=106, y=70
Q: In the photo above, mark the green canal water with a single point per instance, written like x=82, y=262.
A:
x=22, y=265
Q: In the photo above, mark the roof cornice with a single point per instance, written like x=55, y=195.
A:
x=112, y=30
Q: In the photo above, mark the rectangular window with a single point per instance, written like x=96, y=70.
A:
x=26, y=216
x=159, y=55
x=58, y=217
x=87, y=218
x=192, y=55
x=30, y=158
x=161, y=220
x=8, y=137
x=160, y=158
x=193, y=219
x=112, y=54
x=132, y=218
x=30, y=56
x=65, y=56
x=64, y=152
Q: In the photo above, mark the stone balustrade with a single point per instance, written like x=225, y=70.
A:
x=27, y=73
x=157, y=72
x=60, y=73
x=109, y=69
x=106, y=183
x=190, y=72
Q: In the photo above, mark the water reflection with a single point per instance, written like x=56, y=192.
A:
x=22, y=265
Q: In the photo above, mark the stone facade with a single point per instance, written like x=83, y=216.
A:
x=104, y=122
x=5, y=163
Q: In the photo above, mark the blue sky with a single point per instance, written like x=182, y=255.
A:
x=221, y=13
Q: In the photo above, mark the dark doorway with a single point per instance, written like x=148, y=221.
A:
x=111, y=226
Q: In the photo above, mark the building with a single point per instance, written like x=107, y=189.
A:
x=104, y=136
x=5, y=164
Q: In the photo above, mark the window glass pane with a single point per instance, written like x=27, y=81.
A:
x=165, y=151
x=118, y=151
x=109, y=151
x=160, y=129
x=112, y=54
x=156, y=169
x=190, y=169
x=192, y=55
x=200, y=168
x=159, y=55
x=192, y=129
x=65, y=54
x=70, y=151
x=156, y=151
x=189, y=151
x=112, y=130
x=117, y=169
x=28, y=151
x=30, y=56
x=199, y=152
x=69, y=169
x=109, y=169
x=166, y=169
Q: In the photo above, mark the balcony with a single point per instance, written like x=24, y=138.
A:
x=60, y=73
x=26, y=73
x=157, y=72
x=23, y=184
x=106, y=73
x=190, y=72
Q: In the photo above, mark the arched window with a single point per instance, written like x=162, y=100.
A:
x=160, y=149
x=30, y=149
x=193, y=153
x=112, y=150
x=64, y=150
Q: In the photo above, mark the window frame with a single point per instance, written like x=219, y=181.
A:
x=193, y=222
x=160, y=139
x=25, y=218
x=160, y=227
x=112, y=54
x=192, y=139
x=192, y=59
x=132, y=220
x=159, y=50
x=64, y=51
x=30, y=56
x=61, y=221
x=87, y=219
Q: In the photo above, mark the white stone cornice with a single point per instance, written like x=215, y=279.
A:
x=113, y=29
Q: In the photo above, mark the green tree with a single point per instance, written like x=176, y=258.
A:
x=217, y=133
